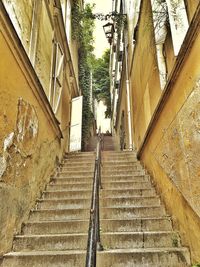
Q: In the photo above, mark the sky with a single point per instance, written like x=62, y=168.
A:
x=101, y=43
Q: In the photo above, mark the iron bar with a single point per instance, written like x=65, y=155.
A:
x=94, y=241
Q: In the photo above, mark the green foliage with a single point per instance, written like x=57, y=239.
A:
x=82, y=31
x=101, y=81
x=196, y=265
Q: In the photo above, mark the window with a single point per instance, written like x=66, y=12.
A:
x=57, y=77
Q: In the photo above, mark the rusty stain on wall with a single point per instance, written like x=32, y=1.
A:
x=179, y=150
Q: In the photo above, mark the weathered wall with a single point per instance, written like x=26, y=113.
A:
x=144, y=76
x=21, y=13
x=29, y=147
x=172, y=152
x=30, y=144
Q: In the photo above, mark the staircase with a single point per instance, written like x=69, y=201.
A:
x=135, y=229
x=56, y=233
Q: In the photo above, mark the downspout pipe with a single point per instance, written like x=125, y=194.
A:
x=128, y=91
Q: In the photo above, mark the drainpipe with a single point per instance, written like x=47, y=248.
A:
x=128, y=92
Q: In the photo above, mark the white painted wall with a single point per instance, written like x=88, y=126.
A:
x=100, y=117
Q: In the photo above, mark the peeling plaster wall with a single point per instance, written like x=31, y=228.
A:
x=21, y=12
x=172, y=152
x=29, y=147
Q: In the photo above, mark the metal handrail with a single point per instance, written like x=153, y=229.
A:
x=94, y=241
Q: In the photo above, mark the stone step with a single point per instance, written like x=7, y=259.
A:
x=107, y=225
x=127, y=192
x=125, y=178
x=76, y=173
x=124, y=172
x=113, y=160
x=60, y=214
x=69, y=180
x=81, y=154
x=130, y=201
x=131, y=212
x=82, y=161
x=71, y=186
x=73, y=194
x=127, y=185
x=76, y=164
x=107, y=164
x=56, y=227
x=118, y=154
x=151, y=257
x=63, y=203
x=84, y=168
x=136, y=224
x=69, y=258
x=50, y=242
x=121, y=168
x=118, y=240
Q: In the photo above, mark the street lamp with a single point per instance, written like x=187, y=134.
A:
x=109, y=31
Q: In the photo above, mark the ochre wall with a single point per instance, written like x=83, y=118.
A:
x=145, y=84
x=30, y=143
x=29, y=147
x=191, y=6
x=171, y=154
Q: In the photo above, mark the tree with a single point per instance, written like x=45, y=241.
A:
x=101, y=81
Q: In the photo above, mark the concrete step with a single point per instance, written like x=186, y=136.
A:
x=78, y=165
x=152, y=257
x=127, y=185
x=130, y=201
x=115, y=161
x=131, y=212
x=81, y=154
x=71, y=186
x=75, y=168
x=107, y=164
x=50, y=242
x=107, y=225
x=122, y=168
x=69, y=180
x=124, y=172
x=63, y=203
x=80, y=162
x=136, y=224
x=76, y=173
x=56, y=227
x=125, y=178
x=118, y=153
x=69, y=258
x=118, y=240
x=60, y=214
x=73, y=194
x=127, y=192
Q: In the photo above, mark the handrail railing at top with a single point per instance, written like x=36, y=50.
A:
x=94, y=242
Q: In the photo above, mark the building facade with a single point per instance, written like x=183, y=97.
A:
x=155, y=91
x=38, y=79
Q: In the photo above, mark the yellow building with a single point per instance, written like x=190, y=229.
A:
x=155, y=90
x=38, y=79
